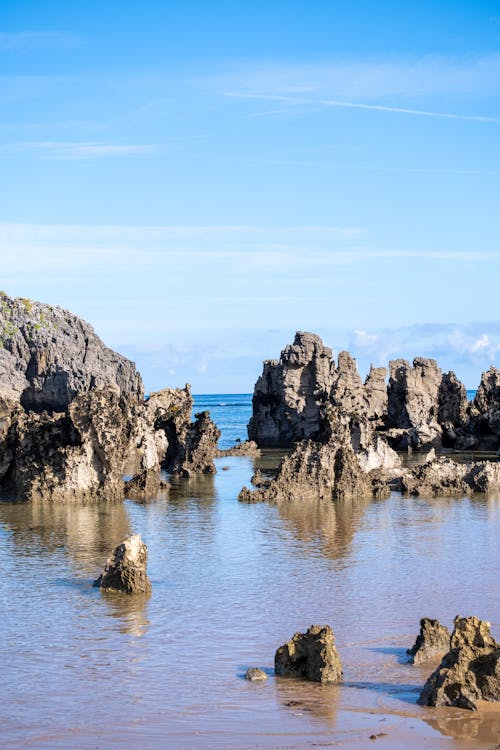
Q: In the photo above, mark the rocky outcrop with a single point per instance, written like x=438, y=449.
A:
x=336, y=469
x=469, y=672
x=310, y=656
x=418, y=409
x=126, y=569
x=288, y=395
x=444, y=476
x=49, y=355
x=145, y=485
x=432, y=642
x=254, y=674
x=78, y=454
x=246, y=448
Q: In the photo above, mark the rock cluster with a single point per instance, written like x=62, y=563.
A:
x=469, y=672
x=72, y=414
x=419, y=408
x=310, y=656
x=433, y=641
x=443, y=476
x=126, y=569
x=352, y=462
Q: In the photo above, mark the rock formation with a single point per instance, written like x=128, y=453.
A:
x=254, y=674
x=126, y=569
x=72, y=414
x=444, y=476
x=246, y=448
x=310, y=656
x=49, y=355
x=418, y=409
x=433, y=641
x=343, y=466
x=469, y=672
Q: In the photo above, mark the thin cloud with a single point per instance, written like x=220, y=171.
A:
x=333, y=103
x=34, y=41
x=80, y=150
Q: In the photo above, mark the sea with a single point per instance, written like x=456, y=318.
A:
x=232, y=582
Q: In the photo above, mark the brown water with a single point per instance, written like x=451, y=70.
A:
x=231, y=582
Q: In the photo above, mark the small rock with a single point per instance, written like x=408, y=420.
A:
x=310, y=656
x=126, y=568
x=254, y=674
x=432, y=641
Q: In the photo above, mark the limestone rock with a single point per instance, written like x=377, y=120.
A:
x=246, y=448
x=49, y=355
x=310, y=656
x=432, y=641
x=469, y=672
x=288, y=396
x=447, y=477
x=254, y=674
x=126, y=569
x=484, y=423
x=147, y=484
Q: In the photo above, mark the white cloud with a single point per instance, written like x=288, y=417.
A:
x=80, y=150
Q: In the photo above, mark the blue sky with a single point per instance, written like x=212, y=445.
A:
x=201, y=179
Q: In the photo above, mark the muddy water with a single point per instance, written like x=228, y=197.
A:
x=231, y=582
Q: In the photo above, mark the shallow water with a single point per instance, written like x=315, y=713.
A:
x=232, y=582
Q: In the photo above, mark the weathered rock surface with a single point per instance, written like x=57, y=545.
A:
x=49, y=355
x=246, y=448
x=444, y=476
x=74, y=455
x=126, y=569
x=145, y=485
x=310, y=656
x=288, y=395
x=337, y=469
x=484, y=422
x=469, y=672
x=254, y=674
x=433, y=641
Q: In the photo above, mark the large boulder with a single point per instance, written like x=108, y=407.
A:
x=310, y=656
x=126, y=569
x=433, y=641
x=49, y=355
x=469, y=672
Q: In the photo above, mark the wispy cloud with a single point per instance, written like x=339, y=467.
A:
x=34, y=41
x=335, y=103
x=80, y=150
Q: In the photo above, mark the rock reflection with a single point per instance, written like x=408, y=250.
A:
x=87, y=531
x=201, y=487
x=314, y=699
x=332, y=524
x=483, y=726
x=131, y=611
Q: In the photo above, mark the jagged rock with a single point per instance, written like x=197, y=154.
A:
x=329, y=470
x=196, y=452
x=49, y=355
x=433, y=641
x=469, y=672
x=254, y=674
x=447, y=477
x=145, y=485
x=413, y=392
x=246, y=448
x=484, y=421
x=375, y=393
x=126, y=569
x=310, y=656
x=288, y=395
x=74, y=455
x=452, y=401
x=347, y=391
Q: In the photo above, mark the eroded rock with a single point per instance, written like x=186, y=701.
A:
x=444, y=476
x=433, y=641
x=254, y=674
x=126, y=569
x=469, y=672
x=310, y=656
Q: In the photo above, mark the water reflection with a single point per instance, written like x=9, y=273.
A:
x=332, y=524
x=88, y=532
x=483, y=726
x=130, y=611
x=301, y=697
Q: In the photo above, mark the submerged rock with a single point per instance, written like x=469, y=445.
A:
x=126, y=568
x=433, y=641
x=469, y=672
x=254, y=674
x=310, y=656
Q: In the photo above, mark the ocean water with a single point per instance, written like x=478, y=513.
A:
x=231, y=583
x=231, y=412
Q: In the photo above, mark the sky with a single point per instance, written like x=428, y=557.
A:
x=200, y=179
